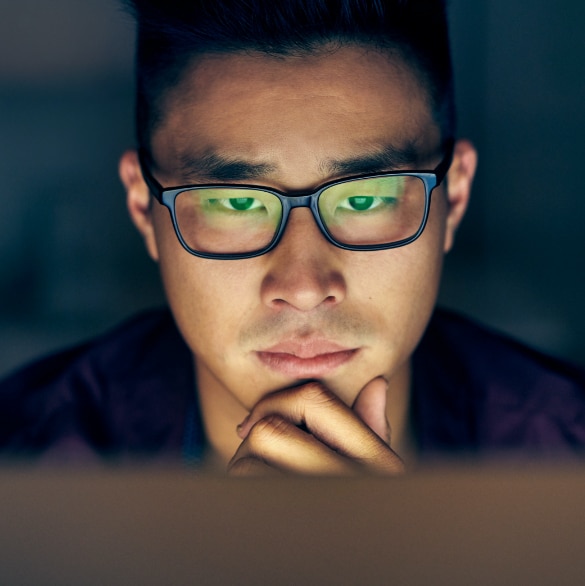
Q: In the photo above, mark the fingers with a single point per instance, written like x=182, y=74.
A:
x=315, y=408
x=249, y=466
x=274, y=442
x=336, y=440
x=370, y=407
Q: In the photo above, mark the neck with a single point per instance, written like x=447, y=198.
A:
x=221, y=413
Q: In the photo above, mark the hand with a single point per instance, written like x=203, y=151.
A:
x=309, y=430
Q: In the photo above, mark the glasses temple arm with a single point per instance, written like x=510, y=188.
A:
x=443, y=167
x=153, y=185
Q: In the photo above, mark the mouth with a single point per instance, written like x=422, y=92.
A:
x=307, y=359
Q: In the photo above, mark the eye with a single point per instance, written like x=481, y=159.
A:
x=363, y=203
x=238, y=204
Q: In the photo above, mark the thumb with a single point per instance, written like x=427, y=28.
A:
x=370, y=407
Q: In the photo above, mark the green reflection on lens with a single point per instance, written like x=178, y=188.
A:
x=242, y=203
x=360, y=203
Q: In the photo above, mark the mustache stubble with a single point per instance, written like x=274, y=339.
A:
x=333, y=325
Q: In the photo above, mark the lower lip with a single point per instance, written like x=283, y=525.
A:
x=314, y=367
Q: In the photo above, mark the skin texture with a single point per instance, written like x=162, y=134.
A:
x=291, y=117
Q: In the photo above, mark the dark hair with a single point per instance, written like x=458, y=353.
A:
x=171, y=32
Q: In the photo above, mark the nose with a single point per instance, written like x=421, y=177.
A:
x=304, y=269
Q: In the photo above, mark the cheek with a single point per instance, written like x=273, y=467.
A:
x=403, y=277
x=401, y=285
x=209, y=298
x=423, y=259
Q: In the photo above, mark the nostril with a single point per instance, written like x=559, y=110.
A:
x=278, y=303
x=303, y=289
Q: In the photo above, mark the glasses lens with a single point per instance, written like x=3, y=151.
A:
x=374, y=211
x=227, y=221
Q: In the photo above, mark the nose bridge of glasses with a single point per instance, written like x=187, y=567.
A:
x=305, y=200
x=299, y=201
x=290, y=202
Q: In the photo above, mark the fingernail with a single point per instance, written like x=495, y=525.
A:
x=241, y=426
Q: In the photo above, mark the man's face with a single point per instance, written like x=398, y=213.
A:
x=307, y=309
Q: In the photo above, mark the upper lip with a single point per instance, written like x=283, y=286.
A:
x=309, y=348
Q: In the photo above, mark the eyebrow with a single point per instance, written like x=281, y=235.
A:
x=385, y=158
x=214, y=167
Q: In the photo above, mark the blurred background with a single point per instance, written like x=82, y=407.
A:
x=71, y=264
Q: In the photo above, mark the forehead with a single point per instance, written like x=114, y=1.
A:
x=335, y=103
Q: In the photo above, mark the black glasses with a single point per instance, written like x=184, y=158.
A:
x=373, y=212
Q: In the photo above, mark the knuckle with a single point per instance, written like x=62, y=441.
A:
x=394, y=467
x=267, y=430
x=385, y=461
x=315, y=392
x=244, y=467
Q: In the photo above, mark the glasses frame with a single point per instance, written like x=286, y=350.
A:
x=166, y=196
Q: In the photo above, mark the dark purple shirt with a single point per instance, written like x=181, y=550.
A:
x=131, y=394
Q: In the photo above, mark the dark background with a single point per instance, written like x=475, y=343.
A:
x=71, y=264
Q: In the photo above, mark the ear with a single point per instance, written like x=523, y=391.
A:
x=459, y=181
x=138, y=200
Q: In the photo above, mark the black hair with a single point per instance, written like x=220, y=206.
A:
x=171, y=32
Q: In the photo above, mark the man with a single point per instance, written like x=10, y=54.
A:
x=298, y=182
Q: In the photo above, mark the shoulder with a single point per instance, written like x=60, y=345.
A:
x=481, y=348
x=120, y=391
x=509, y=395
